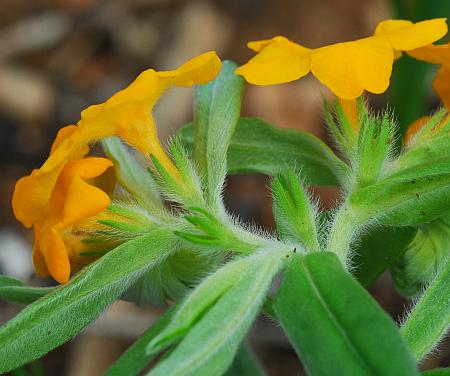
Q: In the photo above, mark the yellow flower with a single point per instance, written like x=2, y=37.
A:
x=32, y=192
x=127, y=114
x=437, y=54
x=72, y=200
x=348, y=68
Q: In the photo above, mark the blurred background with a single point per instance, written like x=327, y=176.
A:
x=59, y=56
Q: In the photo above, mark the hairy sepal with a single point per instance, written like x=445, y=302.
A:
x=131, y=175
x=295, y=213
x=220, y=233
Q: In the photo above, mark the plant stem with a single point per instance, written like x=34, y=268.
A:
x=430, y=318
x=342, y=232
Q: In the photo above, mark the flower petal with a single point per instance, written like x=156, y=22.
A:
x=56, y=257
x=80, y=199
x=62, y=134
x=349, y=68
x=441, y=85
x=278, y=61
x=434, y=54
x=32, y=192
x=31, y=195
x=38, y=258
x=404, y=35
x=199, y=70
x=127, y=114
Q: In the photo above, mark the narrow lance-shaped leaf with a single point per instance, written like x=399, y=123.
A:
x=56, y=318
x=211, y=343
x=403, y=201
x=200, y=300
x=430, y=318
x=16, y=291
x=217, y=110
x=258, y=147
x=334, y=324
x=293, y=211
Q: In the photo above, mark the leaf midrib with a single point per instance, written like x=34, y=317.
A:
x=335, y=320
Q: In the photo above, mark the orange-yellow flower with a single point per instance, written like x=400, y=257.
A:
x=437, y=54
x=128, y=113
x=72, y=200
x=348, y=68
x=32, y=192
x=38, y=197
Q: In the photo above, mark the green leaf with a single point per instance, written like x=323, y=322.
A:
x=437, y=372
x=57, y=317
x=173, y=278
x=423, y=257
x=217, y=110
x=245, y=363
x=293, y=211
x=134, y=360
x=378, y=249
x=131, y=175
x=258, y=147
x=201, y=299
x=430, y=318
x=334, y=324
x=211, y=343
x=13, y=290
x=403, y=201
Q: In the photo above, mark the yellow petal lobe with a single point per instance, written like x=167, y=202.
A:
x=72, y=200
x=434, y=54
x=441, y=85
x=278, y=61
x=349, y=68
x=405, y=35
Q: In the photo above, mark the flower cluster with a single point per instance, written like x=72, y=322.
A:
x=59, y=195
x=348, y=68
x=61, y=198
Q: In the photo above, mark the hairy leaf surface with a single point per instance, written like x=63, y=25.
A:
x=334, y=324
x=56, y=318
x=258, y=147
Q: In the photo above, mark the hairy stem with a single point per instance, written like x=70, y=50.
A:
x=430, y=319
x=342, y=232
